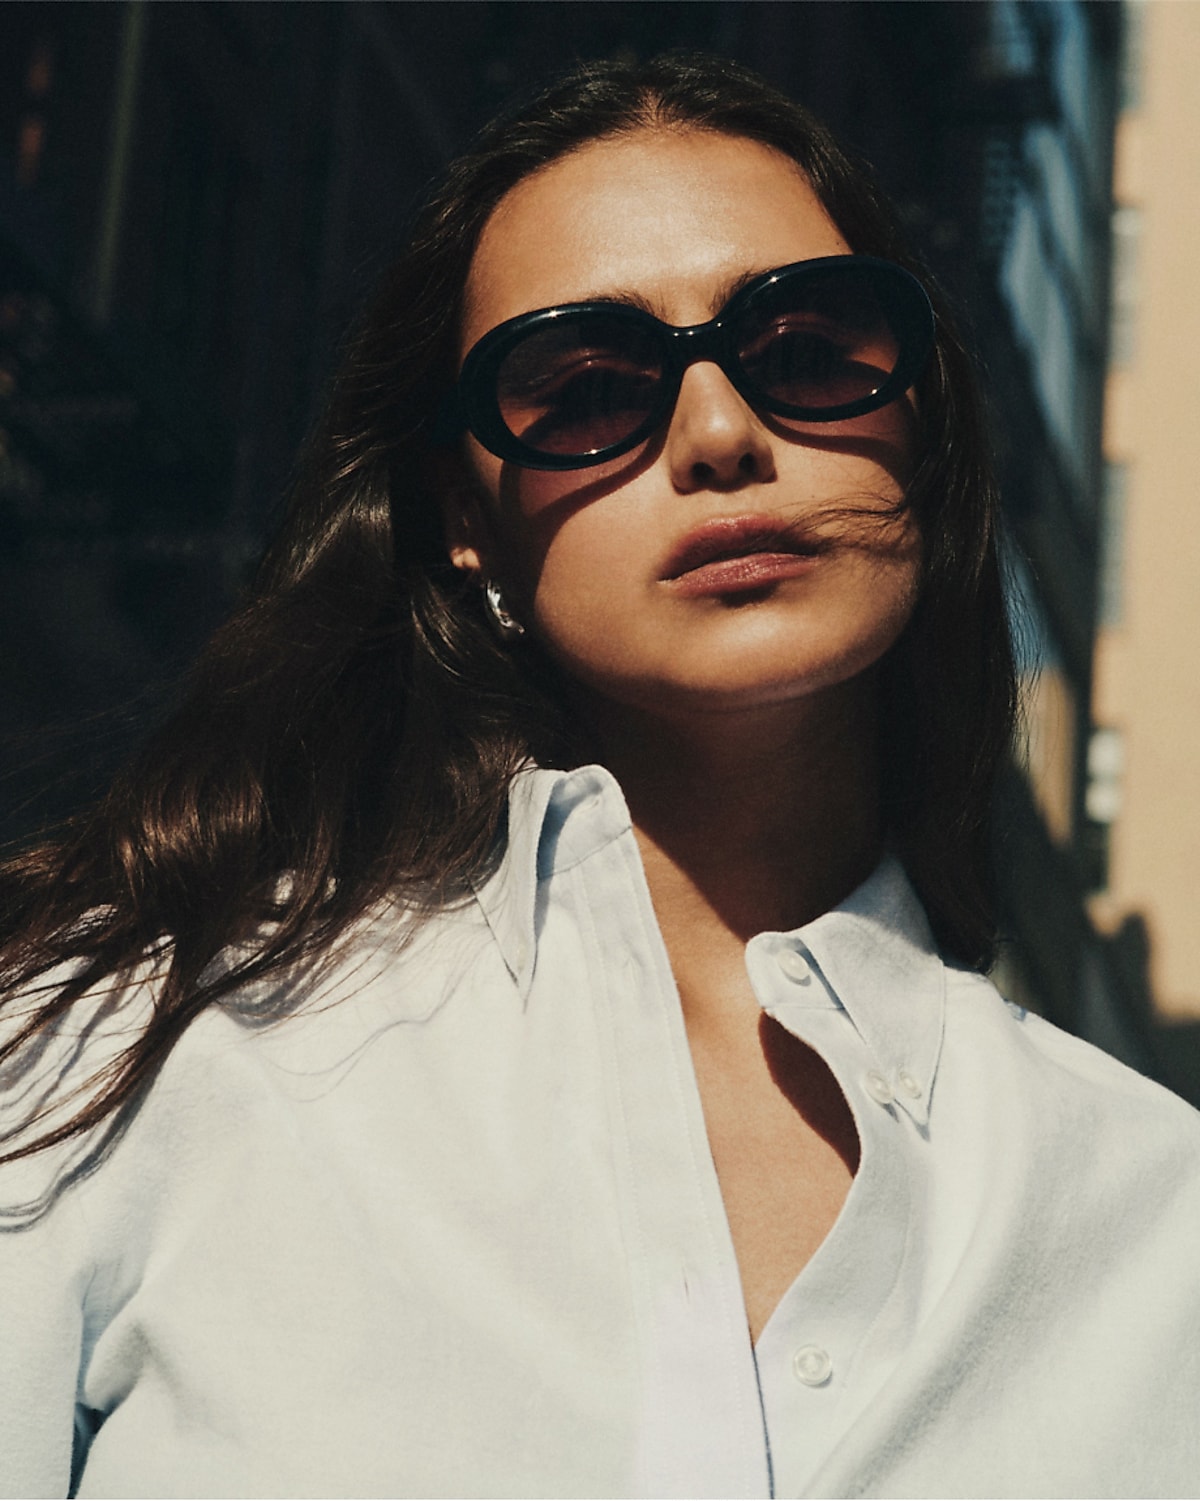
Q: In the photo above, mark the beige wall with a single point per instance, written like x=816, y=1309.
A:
x=1148, y=666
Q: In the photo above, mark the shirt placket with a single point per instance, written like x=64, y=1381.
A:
x=700, y=1430
x=843, y=1324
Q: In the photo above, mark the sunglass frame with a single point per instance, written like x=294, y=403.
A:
x=474, y=405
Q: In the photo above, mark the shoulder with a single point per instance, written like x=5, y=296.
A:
x=1000, y=1033
x=52, y=1074
x=259, y=1045
x=1063, y=1200
x=1062, y=1110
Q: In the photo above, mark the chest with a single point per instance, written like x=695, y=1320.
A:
x=784, y=1146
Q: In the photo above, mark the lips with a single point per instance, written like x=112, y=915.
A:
x=762, y=545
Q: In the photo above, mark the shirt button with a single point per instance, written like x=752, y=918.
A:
x=812, y=1365
x=878, y=1088
x=908, y=1084
x=795, y=966
x=521, y=953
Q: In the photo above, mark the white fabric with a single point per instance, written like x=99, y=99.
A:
x=454, y=1229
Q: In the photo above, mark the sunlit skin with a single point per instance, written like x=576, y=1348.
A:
x=740, y=724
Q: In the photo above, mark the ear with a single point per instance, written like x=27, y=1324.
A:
x=464, y=524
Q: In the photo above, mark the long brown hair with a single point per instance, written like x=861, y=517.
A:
x=350, y=734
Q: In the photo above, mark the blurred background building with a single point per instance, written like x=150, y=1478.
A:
x=194, y=198
x=1144, y=774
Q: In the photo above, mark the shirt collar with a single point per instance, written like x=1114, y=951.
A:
x=543, y=837
x=508, y=896
x=874, y=952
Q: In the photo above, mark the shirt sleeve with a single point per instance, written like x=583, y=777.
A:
x=42, y=1286
x=49, y=1241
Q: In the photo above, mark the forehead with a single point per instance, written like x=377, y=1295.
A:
x=669, y=215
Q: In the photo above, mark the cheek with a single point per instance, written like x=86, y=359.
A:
x=895, y=581
x=517, y=518
x=568, y=529
x=871, y=589
x=587, y=578
x=900, y=594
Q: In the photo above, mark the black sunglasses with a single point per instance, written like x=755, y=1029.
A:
x=567, y=387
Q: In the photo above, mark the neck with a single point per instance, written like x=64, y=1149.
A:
x=750, y=821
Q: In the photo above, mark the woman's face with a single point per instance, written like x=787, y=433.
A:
x=590, y=560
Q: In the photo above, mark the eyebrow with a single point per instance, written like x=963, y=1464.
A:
x=629, y=297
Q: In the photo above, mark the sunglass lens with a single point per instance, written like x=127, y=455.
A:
x=819, y=341
x=576, y=385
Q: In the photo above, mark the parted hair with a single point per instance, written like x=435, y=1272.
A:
x=349, y=735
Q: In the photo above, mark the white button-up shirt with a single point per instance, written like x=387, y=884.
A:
x=453, y=1227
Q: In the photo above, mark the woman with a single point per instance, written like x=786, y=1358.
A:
x=519, y=1030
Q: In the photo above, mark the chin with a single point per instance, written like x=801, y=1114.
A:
x=782, y=675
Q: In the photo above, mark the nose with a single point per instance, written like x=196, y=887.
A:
x=715, y=440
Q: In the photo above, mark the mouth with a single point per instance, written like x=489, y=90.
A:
x=739, y=552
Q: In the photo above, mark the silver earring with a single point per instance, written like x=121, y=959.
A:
x=508, y=627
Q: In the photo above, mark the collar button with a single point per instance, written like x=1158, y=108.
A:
x=908, y=1084
x=794, y=965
